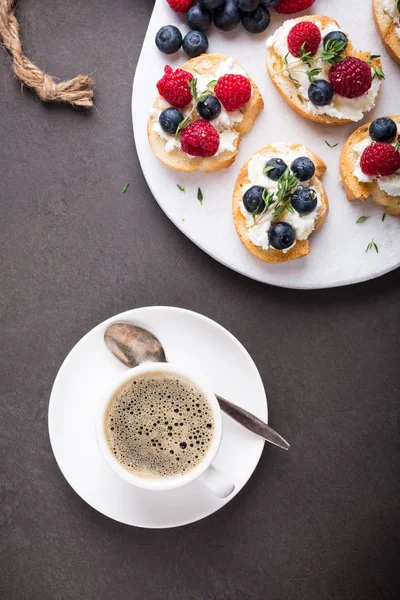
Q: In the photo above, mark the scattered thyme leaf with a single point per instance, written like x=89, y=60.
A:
x=331, y=145
x=371, y=245
x=200, y=196
x=180, y=187
x=384, y=214
x=125, y=188
x=362, y=219
x=267, y=169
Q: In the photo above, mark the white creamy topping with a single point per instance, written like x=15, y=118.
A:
x=390, y=7
x=225, y=121
x=303, y=225
x=340, y=107
x=389, y=184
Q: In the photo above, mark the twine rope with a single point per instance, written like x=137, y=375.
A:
x=77, y=91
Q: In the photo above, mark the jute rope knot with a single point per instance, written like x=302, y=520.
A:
x=77, y=91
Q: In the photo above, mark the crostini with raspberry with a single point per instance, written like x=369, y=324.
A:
x=370, y=164
x=201, y=112
x=316, y=69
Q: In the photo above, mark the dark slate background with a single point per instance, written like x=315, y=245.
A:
x=320, y=522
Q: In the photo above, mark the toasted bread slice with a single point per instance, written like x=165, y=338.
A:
x=387, y=29
x=358, y=190
x=289, y=90
x=302, y=247
x=179, y=160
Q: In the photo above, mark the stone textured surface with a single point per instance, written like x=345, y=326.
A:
x=319, y=522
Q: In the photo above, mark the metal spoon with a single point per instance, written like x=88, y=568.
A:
x=134, y=345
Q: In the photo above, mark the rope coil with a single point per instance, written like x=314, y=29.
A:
x=77, y=91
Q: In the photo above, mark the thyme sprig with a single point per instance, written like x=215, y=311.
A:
x=196, y=99
x=331, y=54
x=378, y=73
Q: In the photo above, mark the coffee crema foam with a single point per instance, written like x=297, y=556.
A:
x=159, y=425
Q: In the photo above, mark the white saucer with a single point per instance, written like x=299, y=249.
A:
x=191, y=341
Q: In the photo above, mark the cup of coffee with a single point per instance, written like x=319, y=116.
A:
x=159, y=428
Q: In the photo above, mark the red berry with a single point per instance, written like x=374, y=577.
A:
x=379, y=160
x=200, y=138
x=288, y=7
x=180, y=6
x=351, y=78
x=306, y=33
x=173, y=86
x=233, y=91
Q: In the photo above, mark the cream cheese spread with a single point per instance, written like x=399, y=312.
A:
x=259, y=226
x=340, y=107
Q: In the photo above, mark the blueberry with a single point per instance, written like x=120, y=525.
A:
x=257, y=20
x=320, y=92
x=227, y=16
x=268, y=3
x=170, y=119
x=209, y=108
x=383, y=130
x=252, y=199
x=281, y=235
x=169, y=39
x=336, y=35
x=304, y=200
x=303, y=168
x=278, y=168
x=195, y=43
x=248, y=5
x=198, y=18
x=210, y=4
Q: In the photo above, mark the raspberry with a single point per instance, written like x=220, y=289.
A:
x=200, y=138
x=306, y=33
x=233, y=91
x=180, y=6
x=288, y=7
x=173, y=86
x=379, y=160
x=351, y=78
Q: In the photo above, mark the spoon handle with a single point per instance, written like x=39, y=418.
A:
x=252, y=423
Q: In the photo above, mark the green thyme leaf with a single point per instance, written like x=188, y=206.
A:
x=212, y=83
x=292, y=78
x=290, y=208
x=378, y=73
x=371, y=245
x=182, y=125
x=200, y=196
x=267, y=169
x=304, y=55
x=397, y=146
x=285, y=59
x=125, y=188
x=268, y=198
x=398, y=5
x=180, y=187
x=331, y=145
x=287, y=183
x=384, y=214
x=279, y=209
x=332, y=50
x=313, y=73
x=362, y=219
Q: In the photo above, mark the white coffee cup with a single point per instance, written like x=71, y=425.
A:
x=205, y=472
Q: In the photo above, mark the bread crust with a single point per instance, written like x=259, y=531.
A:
x=179, y=160
x=357, y=190
x=288, y=89
x=387, y=29
x=302, y=247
